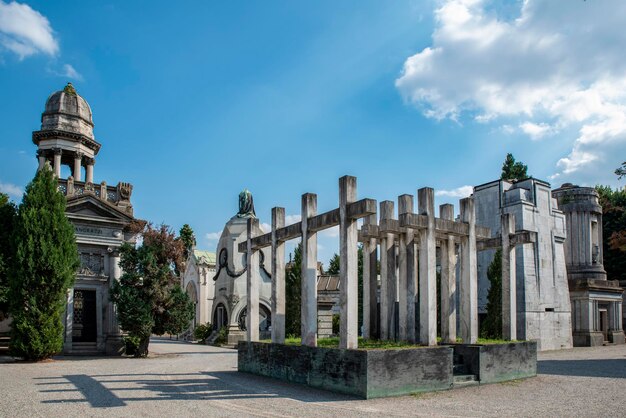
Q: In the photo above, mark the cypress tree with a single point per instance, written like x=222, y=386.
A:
x=42, y=271
x=7, y=219
x=492, y=324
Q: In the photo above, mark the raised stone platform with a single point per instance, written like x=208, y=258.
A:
x=380, y=373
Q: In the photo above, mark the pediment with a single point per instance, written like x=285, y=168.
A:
x=92, y=206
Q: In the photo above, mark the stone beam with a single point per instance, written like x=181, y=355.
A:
x=442, y=226
x=348, y=266
x=278, y=278
x=516, y=238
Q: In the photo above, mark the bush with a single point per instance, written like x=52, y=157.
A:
x=336, y=322
x=222, y=336
x=131, y=345
x=202, y=332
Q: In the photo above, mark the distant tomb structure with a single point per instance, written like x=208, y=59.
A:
x=596, y=301
x=102, y=216
x=199, y=270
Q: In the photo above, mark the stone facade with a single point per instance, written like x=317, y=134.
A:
x=102, y=217
x=199, y=270
x=596, y=301
x=542, y=298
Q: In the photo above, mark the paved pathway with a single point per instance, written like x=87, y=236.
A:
x=182, y=379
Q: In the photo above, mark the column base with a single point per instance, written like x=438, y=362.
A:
x=114, y=345
x=616, y=337
x=588, y=339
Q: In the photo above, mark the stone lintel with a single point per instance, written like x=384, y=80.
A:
x=442, y=226
x=518, y=238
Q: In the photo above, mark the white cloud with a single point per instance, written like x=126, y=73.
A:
x=11, y=189
x=292, y=219
x=213, y=236
x=25, y=31
x=71, y=72
x=558, y=65
x=463, y=191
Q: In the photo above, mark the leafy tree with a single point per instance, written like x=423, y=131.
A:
x=333, y=265
x=7, y=219
x=148, y=296
x=512, y=170
x=613, y=231
x=491, y=326
x=293, y=296
x=188, y=238
x=42, y=270
x=620, y=172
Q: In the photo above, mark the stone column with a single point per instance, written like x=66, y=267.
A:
x=468, y=292
x=89, y=169
x=57, y=162
x=427, y=268
x=370, y=284
x=348, y=266
x=41, y=158
x=448, y=281
x=407, y=275
x=278, y=278
x=309, y=272
x=78, y=157
x=115, y=273
x=387, y=276
x=69, y=321
x=253, y=279
x=509, y=282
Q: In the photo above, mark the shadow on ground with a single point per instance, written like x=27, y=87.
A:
x=614, y=368
x=117, y=390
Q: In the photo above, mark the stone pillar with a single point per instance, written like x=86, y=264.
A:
x=309, y=272
x=41, y=159
x=468, y=292
x=448, y=280
x=348, y=263
x=78, y=157
x=57, y=162
x=69, y=191
x=103, y=190
x=427, y=269
x=278, y=278
x=253, y=279
x=509, y=282
x=89, y=170
x=407, y=275
x=370, y=284
x=115, y=273
x=387, y=276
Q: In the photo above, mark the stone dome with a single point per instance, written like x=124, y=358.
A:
x=67, y=111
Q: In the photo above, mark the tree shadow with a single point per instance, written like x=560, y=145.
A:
x=613, y=368
x=117, y=390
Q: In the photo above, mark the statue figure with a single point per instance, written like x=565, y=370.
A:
x=246, y=205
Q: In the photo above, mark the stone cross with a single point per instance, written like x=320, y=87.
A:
x=507, y=240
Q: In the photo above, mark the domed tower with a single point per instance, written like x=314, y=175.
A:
x=66, y=135
x=596, y=301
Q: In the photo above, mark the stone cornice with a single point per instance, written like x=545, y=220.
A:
x=89, y=142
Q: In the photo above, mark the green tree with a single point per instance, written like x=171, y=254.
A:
x=491, y=326
x=188, y=238
x=613, y=231
x=7, y=219
x=620, y=172
x=293, y=296
x=148, y=296
x=333, y=265
x=512, y=170
x=42, y=270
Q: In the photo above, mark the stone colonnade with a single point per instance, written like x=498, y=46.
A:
x=402, y=241
x=78, y=160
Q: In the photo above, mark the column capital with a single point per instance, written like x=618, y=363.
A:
x=78, y=155
x=57, y=151
x=90, y=160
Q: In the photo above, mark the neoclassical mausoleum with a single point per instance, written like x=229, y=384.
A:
x=102, y=217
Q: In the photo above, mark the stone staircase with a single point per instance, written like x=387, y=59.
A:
x=85, y=349
x=461, y=375
x=4, y=343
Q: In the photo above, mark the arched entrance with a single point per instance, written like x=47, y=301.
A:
x=265, y=320
x=193, y=295
x=220, y=317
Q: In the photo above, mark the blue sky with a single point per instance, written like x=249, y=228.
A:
x=194, y=101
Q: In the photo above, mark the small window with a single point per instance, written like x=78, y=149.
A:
x=549, y=309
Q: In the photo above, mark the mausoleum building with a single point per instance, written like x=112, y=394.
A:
x=198, y=284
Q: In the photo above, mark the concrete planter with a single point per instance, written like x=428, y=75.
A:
x=494, y=363
x=364, y=373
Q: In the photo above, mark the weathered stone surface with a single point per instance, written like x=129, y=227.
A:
x=494, y=363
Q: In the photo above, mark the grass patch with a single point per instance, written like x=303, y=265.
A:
x=487, y=341
x=333, y=342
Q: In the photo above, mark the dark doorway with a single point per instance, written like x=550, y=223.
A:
x=84, y=328
x=604, y=324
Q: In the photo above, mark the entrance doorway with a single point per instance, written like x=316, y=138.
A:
x=604, y=324
x=84, y=328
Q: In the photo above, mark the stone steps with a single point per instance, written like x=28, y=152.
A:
x=85, y=349
x=4, y=343
x=464, y=380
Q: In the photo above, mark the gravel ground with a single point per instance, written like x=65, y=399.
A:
x=182, y=379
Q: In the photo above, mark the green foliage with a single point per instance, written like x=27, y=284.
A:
x=222, y=336
x=188, y=238
x=336, y=323
x=202, y=332
x=613, y=231
x=333, y=265
x=512, y=170
x=491, y=326
x=148, y=296
x=333, y=342
x=42, y=270
x=620, y=172
x=131, y=344
x=8, y=213
x=292, y=293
